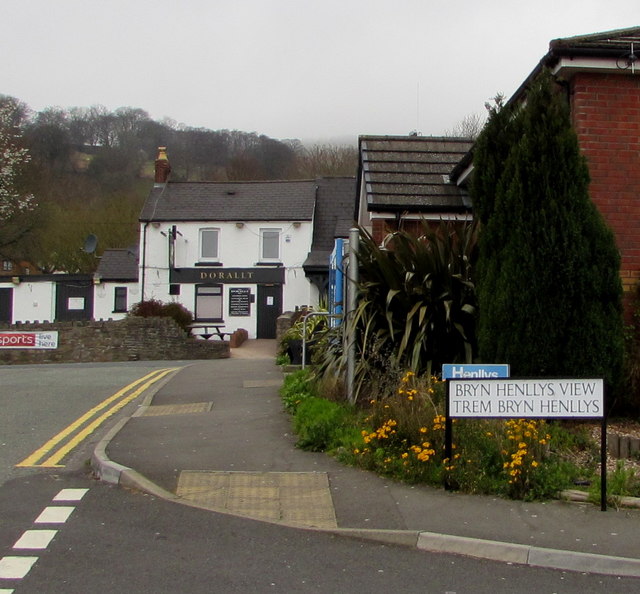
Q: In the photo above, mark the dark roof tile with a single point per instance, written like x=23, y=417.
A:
x=412, y=172
x=334, y=216
x=119, y=265
x=231, y=201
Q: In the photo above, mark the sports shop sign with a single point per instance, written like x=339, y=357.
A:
x=529, y=399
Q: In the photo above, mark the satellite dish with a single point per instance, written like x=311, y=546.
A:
x=90, y=244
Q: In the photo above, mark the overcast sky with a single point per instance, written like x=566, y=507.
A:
x=308, y=69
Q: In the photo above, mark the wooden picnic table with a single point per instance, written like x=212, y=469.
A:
x=209, y=330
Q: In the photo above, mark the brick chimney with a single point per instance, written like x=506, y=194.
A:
x=163, y=169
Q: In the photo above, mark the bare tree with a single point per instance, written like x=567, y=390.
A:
x=469, y=127
x=326, y=160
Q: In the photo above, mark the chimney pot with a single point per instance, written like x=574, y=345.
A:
x=163, y=169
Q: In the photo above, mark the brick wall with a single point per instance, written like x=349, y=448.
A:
x=606, y=116
x=130, y=339
x=380, y=228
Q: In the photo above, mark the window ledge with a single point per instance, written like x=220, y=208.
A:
x=208, y=264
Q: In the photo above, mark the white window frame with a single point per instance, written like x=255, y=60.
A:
x=209, y=301
x=266, y=258
x=205, y=257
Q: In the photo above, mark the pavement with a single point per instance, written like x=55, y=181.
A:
x=213, y=434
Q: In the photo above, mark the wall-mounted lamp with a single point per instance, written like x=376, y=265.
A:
x=297, y=224
x=96, y=279
x=155, y=225
x=15, y=280
x=239, y=225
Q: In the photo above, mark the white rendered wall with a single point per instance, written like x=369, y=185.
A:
x=238, y=247
x=104, y=300
x=33, y=301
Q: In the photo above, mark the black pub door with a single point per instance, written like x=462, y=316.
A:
x=74, y=300
x=269, y=308
x=6, y=305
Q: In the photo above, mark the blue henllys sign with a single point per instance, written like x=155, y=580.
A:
x=474, y=371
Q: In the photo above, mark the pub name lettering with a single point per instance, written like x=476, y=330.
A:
x=222, y=275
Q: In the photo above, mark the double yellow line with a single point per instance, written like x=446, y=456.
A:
x=48, y=456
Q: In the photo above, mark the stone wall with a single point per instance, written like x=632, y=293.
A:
x=284, y=322
x=131, y=339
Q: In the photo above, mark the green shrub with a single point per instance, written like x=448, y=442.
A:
x=416, y=305
x=154, y=308
x=402, y=436
x=147, y=309
x=320, y=424
x=622, y=482
x=296, y=388
x=548, y=283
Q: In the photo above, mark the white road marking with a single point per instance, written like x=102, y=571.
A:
x=70, y=495
x=15, y=568
x=35, y=539
x=54, y=515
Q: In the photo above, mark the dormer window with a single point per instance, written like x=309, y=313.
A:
x=209, y=239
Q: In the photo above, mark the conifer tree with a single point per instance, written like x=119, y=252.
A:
x=549, y=289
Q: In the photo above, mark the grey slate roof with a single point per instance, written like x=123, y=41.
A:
x=411, y=173
x=616, y=42
x=334, y=216
x=231, y=201
x=119, y=265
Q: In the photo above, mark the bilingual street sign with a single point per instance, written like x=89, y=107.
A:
x=476, y=370
x=527, y=398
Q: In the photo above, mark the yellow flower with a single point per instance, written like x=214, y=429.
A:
x=423, y=429
x=405, y=455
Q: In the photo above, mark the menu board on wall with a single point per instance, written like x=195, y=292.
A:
x=240, y=301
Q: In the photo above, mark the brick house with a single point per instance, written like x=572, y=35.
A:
x=402, y=179
x=604, y=90
x=601, y=76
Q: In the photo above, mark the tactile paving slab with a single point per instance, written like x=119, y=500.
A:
x=293, y=498
x=177, y=409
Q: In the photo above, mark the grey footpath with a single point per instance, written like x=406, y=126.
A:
x=464, y=525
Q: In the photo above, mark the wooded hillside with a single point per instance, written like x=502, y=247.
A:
x=90, y=170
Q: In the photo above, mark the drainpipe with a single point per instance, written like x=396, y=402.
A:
x=144, y=259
